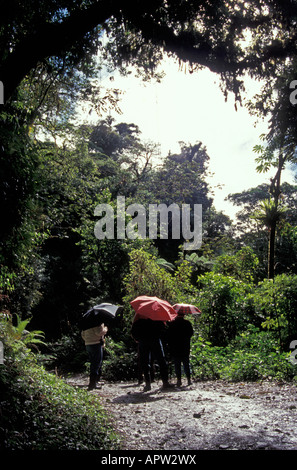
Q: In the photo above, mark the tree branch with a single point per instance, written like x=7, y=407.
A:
x=219, y=55
x=51, y=39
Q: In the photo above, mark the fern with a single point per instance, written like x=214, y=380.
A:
x=29, y=338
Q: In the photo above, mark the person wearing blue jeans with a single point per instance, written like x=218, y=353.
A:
x=94, y=343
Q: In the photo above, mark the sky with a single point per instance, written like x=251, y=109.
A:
x=190, y=108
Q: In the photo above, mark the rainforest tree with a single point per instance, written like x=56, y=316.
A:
x=229, y=38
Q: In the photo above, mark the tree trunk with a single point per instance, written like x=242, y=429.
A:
x=51, y=39
x=275, y=192
x=271, y=250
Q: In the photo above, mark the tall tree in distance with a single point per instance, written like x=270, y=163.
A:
x=279, y=152
x=181, y=179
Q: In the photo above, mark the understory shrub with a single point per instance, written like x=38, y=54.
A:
x=39, y=411
x=67, y=354
x=253, y=355
x=147, y=277
x=226, y=307
x=276, y=302
x=206, y=360
x=120, y=361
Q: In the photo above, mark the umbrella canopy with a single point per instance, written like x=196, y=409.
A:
x=99, y=314
x=184, y=309
x=153, y=308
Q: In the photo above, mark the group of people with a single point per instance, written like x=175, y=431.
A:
x=150, y=336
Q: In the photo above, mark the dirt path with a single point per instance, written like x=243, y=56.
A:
x=204, y=416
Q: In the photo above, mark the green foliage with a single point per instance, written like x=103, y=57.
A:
x=7, y=280
x=143, y=35
x=253, y=355
x=29, y=338
x=18, y=161
x=120, y=360
x=106, y=262
x=40, y=412
x=253, y=232
x=276, y=302
x=147, y=277
x=205, y=359
x=65, y=354
x=224, y=302
x=242, y=266
x=269, y=213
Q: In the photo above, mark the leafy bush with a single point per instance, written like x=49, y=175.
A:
x=206, y=360
x=256, y=355
x=253, y=355
x=66, y=354
x=243, y=265
x=40, y=412
x=225, y=305
x=147, y=277
x=120, y=361
x=276, y=302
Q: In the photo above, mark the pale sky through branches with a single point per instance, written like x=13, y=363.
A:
x=191, y=107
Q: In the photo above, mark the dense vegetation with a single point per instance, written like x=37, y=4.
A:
x=55, y=170
x=39, y=411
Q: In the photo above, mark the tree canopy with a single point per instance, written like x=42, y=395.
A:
x=56, y=170
x=230, y=38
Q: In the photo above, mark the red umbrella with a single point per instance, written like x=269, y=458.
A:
x=184, y=309
x=153, y=308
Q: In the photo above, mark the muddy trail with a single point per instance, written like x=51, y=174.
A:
x=204, y=416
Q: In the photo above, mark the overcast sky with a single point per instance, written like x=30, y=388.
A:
x=190, y=108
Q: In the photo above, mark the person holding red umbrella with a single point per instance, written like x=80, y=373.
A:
x=148, y=334
x=151, y=314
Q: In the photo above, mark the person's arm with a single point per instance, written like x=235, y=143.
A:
x=101, y=331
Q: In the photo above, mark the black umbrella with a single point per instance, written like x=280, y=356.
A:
x=102, y=313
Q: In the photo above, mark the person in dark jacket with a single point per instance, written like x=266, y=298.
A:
x=179, y=336
x=147, y=333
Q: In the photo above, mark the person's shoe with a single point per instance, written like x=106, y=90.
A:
x=167, y=385
x=147, y=387
x=92, y=385
x=179, y=383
